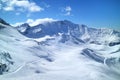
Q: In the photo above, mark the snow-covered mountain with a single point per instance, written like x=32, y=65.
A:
x=59, y=50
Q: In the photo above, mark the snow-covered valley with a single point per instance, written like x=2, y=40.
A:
x=69, y=52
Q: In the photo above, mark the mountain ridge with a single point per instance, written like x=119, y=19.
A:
x=67, y=28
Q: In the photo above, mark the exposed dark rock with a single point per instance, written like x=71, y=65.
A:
x=113, y=61
x=114, y=43
x=3, y=22
x=7, y=59
x=3, y=68
x=91, y=54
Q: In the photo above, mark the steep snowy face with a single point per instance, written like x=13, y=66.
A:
x=9, y=45
x=5, y=57
x=17, y=50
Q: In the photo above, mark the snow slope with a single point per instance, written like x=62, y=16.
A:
x=22, y=50
x=66, y=55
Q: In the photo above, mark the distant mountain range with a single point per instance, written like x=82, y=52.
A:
x=68, y=30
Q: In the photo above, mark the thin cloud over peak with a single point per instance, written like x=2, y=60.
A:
x=32, y=22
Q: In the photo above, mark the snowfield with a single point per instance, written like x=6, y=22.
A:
x=59, y=57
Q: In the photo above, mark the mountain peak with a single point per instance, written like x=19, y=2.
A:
x=82, y=25
x=3, y=22
x=67, y=21
x=23, y=27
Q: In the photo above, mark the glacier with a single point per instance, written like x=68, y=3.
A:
x=59, y=50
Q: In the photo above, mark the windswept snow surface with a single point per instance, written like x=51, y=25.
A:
x=56, y=60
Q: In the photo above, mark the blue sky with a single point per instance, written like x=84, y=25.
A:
x=94, y=13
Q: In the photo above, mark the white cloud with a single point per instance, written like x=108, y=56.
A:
x=45, y=5
x=26, y=5
x=17, y=13
x=67, y=10
x=68, y=14
x=17, y=24
x=33, y=7
x=32, y=22
x=0, y=6
x=8, y=8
